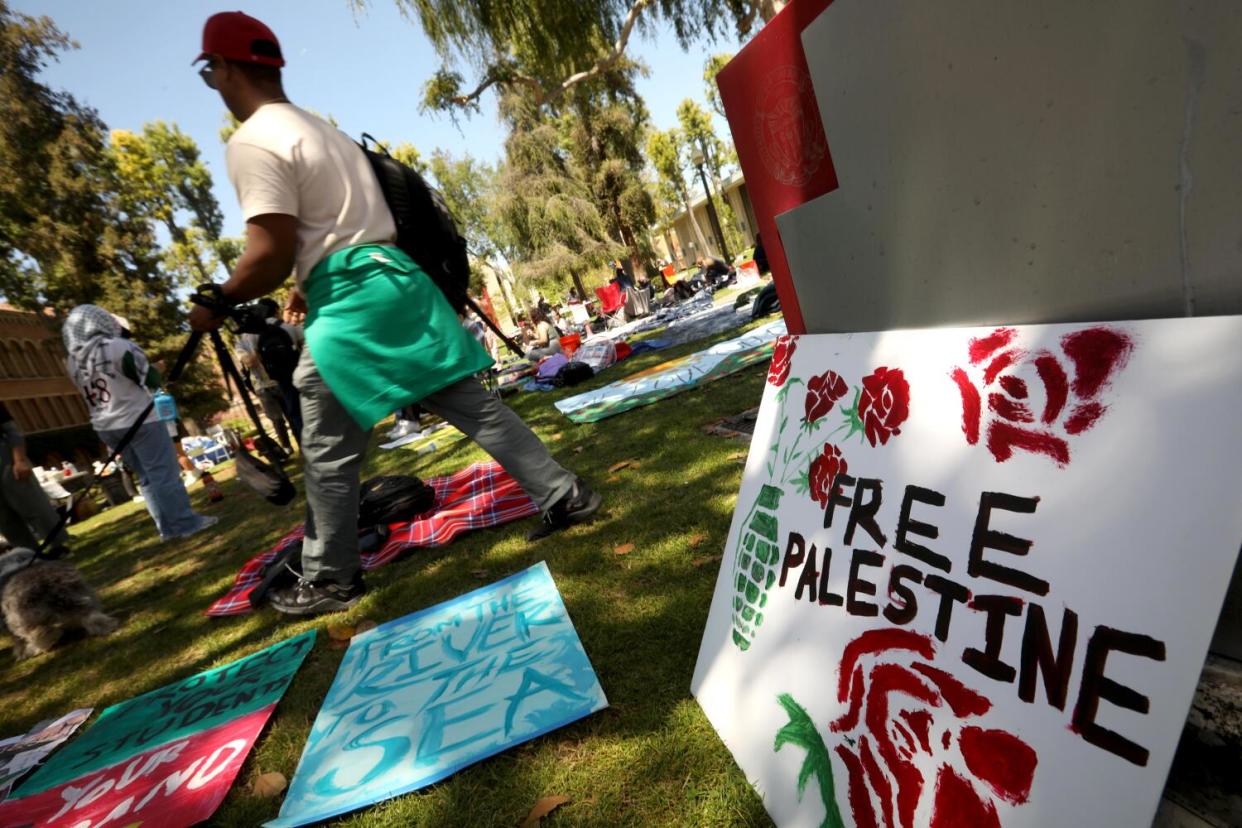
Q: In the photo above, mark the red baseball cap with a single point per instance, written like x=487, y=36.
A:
x=238, y=36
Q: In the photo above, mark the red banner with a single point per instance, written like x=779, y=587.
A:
x=179, y=783
x=778, y=133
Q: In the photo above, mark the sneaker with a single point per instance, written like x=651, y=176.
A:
x=316, y=597
x=204, y=522
x=575, y=507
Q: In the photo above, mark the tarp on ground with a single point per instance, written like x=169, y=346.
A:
x=419, y=698
x=164, y=758
x=477, y=497
x=675, y=376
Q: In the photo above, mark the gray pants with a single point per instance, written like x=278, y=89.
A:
x=273, y=407
x=25, y=511
x=334, y=448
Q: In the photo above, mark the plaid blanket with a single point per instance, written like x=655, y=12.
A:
x=478, y=496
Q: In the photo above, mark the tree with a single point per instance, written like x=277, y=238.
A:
x=603, y=130
x=547, y=47
x=666, y=150
x=164, y=180
x=65, y=235
x=546, y=216
x=699, y=134
x=711, y=68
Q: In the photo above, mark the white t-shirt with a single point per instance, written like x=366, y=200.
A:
x=286, y=160
x=114, y=399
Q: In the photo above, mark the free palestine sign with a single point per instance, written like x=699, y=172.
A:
x=973, y=573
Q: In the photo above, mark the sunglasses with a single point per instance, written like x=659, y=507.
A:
x=208, y=74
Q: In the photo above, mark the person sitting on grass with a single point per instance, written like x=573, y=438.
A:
x=545, y=341
x=116, y=380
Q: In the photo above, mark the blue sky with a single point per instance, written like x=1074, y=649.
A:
x=367, y=70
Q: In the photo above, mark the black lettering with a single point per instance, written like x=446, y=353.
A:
x=1096, y=686
x=837, y=497
x=1038, y=657
x=907, y=526
x=792, y=559
x=866, y=609
x=808, y=578
x=985, y=537
x=988, y=660
x=862, y=513
x=949, y=592
x=826, y=598
x=903, y=613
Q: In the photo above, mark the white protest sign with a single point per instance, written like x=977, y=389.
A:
x=973, y=573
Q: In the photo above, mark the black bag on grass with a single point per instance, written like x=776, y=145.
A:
x=282, y=571
x=264, y=478
x=572, y=373
x=393, y=499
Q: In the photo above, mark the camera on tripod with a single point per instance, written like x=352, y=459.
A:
x=254, y=317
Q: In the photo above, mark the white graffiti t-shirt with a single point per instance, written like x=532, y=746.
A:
x=114, y=400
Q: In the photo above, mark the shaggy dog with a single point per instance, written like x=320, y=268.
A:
x=41, y=600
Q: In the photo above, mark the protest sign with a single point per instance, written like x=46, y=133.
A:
x=673, y=377
x=171, y=753
x=421, y=697
x=971, y=568
x=20, y=754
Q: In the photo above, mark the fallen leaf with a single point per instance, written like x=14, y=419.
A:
x=542, y=808
x=364, y=625
x=696, y=539
x=557, y=436
x=270, y=784
x=624, y=464
x=704, y=560
x=579, y=449
x=481, y=574
x=739, y=456
x=623, y=549
x=613, y=479
x=340, y=632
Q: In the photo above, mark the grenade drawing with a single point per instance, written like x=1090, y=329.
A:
x=754, y=565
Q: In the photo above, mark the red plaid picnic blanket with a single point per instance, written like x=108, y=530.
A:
x=478, y=496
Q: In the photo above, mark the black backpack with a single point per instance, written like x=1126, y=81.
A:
x=278, y=353
x=572, y=373
x=426, y=230
x=393, y=499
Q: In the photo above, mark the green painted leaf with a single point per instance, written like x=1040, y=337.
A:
x=801, y=732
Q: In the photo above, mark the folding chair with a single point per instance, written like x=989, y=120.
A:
x=612, y=303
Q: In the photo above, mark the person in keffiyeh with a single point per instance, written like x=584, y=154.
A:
x=116, y=380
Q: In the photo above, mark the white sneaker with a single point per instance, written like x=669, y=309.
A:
x=205, y=522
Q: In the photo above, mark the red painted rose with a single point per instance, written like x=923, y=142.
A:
x=913, y=742
x=782, y=357
x=824, y=470
x=822, y=393
x=1035, y=401
x=884, y=404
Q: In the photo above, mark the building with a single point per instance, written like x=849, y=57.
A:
x=36, y=389
x=677, y=241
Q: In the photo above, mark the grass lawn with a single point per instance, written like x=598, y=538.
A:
x=650, y=759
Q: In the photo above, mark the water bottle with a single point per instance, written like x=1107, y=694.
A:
x=165, y=407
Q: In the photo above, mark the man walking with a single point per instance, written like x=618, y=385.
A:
x=379, y=334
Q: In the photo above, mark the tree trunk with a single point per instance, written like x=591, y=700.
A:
x=582, y=291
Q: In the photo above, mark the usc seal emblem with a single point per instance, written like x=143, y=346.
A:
x=787, y=127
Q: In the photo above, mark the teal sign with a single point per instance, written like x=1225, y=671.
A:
x=421, y=697
x=189, y=706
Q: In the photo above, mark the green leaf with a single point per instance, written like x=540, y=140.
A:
x=801, y=732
